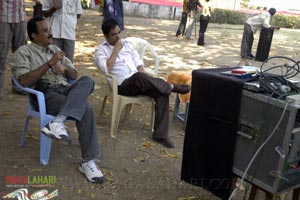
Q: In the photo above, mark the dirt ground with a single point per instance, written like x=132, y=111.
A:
x=134, y=166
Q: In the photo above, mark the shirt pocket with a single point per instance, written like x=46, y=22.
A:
x=70, y=6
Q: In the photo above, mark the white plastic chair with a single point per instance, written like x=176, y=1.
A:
x=45, y=141
x=120, y=101
x=143, y=47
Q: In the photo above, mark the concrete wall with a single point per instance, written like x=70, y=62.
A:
x=151, y=11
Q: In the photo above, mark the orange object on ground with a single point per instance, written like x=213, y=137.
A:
x=181, y=77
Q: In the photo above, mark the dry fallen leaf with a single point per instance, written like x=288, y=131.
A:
x=146, y=144
x=167, y=154
x=35, y=170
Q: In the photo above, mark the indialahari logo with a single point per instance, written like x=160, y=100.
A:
x=30, y=181
x=22, y=194
x=23, y=181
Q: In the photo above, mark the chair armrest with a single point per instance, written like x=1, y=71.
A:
x=156, y=58
x=39, y=95
x=114, y=83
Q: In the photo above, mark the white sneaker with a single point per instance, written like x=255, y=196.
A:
x=57, y=130
x=91, y=171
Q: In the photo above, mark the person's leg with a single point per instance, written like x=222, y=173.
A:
x=59, y=42
x=66, y=102
x=201, y=34
x=182, y=24
x=157, y=88
x=18, y=39
x=60, y=101
x=19, y=36
x=77, y=98
x=69, y=48
x=247, y=41
x=141, y=83
x=203, y=26
x=88, y=135
x=161, y=122
x=189, y=31
x=5, y=41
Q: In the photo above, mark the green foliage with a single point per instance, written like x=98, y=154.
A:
x=222, y=16
x=286, y=21
x=84, y=4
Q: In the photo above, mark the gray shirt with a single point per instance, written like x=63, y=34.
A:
x=259, y=21
x=30, y=57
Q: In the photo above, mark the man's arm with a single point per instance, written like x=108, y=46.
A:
x=57, y=4
x=112, y=59
x=34, y=76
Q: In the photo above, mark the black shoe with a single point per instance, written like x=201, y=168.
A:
x=251, y=56
x=181, y=89
x=164, y=141
x=247, y=57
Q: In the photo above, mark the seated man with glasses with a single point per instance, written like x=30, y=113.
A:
x=44, y=67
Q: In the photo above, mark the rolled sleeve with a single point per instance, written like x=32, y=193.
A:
x=20, y=63
x=100, y=58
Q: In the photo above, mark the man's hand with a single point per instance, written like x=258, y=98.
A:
x=59, y=55
x=59, y=69
x=57, y=4
x=118, y=46
x=275, y=27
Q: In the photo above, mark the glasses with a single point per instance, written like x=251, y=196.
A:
x=45, y=30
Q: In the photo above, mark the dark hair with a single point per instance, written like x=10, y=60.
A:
x=272, y=11
x=108, y=25
x=32, y=27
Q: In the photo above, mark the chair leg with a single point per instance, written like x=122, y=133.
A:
x=45, y=148
x=127, y=111
x=115, y=118
x=24, y=131
x=152, y=116
x=176, y=108
x=103, y=105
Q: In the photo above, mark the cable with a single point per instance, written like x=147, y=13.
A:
x=279, y=85
x=236, y=190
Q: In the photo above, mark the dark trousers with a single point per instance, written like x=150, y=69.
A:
x=72, y=101
x=67, y=46
x=142, y=84
x=203, y=26
x=182, y=24
x=247, y=41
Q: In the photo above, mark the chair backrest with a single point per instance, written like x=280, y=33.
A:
x=39, y=95
x=142, y=46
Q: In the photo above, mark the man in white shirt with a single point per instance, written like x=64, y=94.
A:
x=117, y=57
x=250, y=27
x=63, y=19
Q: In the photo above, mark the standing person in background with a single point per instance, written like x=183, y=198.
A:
x=114, y=9
x=250, y=27
x=192, y=14
x=12, y=33
x=206, y=12
x=63, y=19
x=182, y=24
